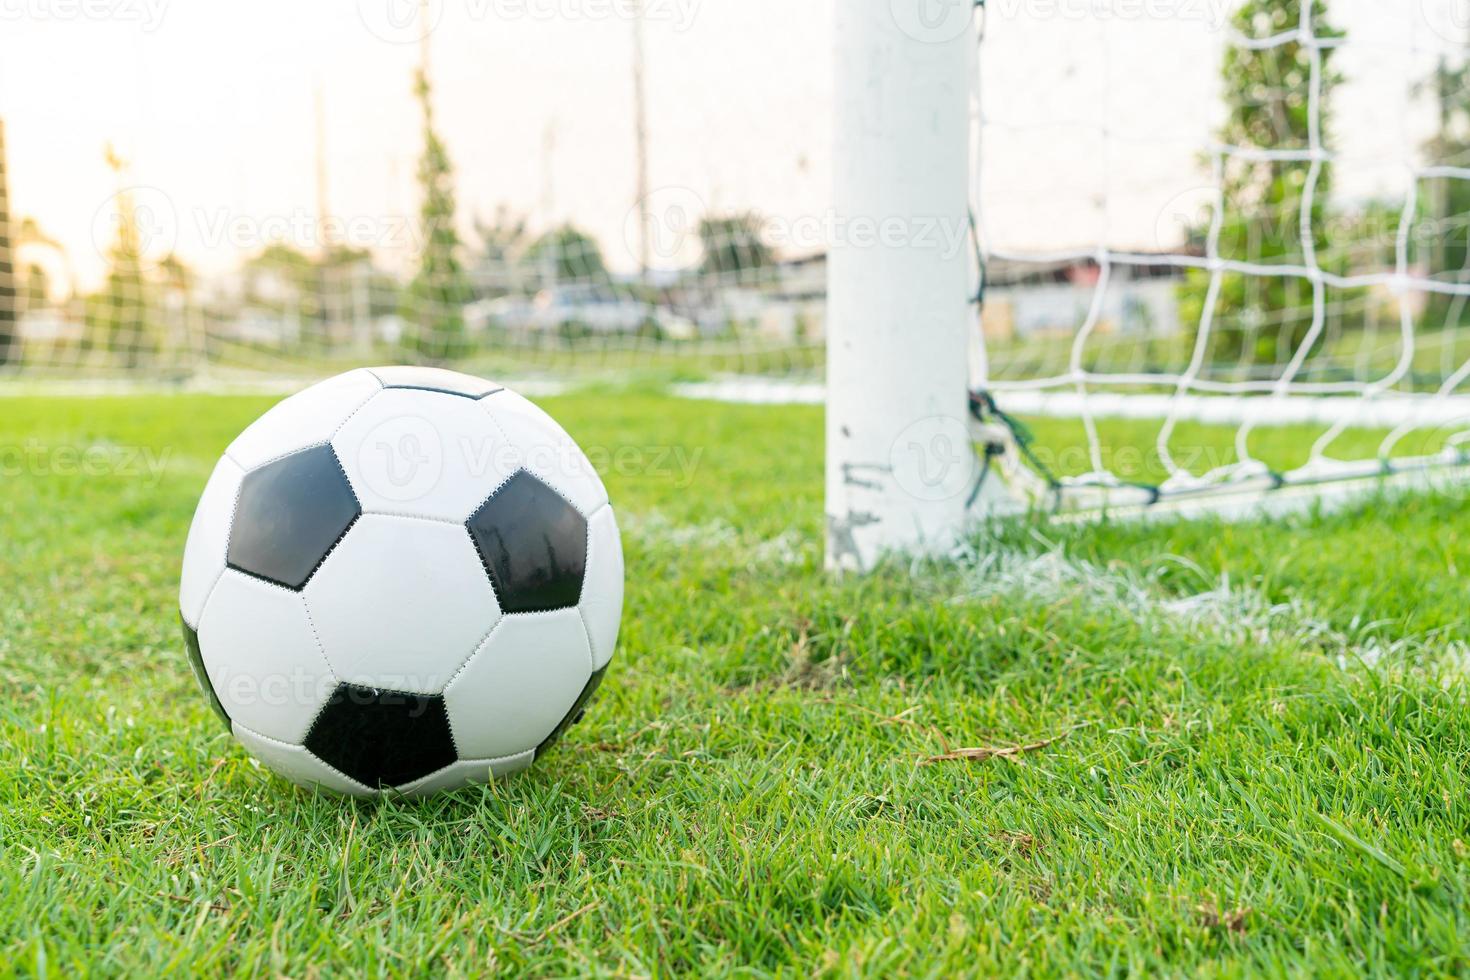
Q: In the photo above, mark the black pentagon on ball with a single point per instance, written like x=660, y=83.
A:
x=534, y=545
x=382, y=738
x=196, y=664
x=579, y=708
x=290, y=515
x=436, y=380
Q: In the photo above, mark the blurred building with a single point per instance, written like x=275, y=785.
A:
x=1027, y=299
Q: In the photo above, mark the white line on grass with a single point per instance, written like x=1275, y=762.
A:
x=1386, y=411
x=1228, y=611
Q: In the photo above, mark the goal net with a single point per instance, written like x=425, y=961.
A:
x=1144, y=254
x=541, y=191
x=1224, y=247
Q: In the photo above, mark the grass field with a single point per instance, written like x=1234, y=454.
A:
x=1219, y=750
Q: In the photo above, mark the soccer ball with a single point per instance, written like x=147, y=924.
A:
x=401, y=579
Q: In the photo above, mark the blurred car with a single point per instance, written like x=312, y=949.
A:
x=591, y=309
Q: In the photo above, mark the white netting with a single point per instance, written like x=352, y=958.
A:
x=1247, y=215
x=279, y=211
x=1264, y=296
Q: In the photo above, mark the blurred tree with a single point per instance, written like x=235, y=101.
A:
x=177, y=277
x=1441, y=239
x=733, y=245
x=37, y=285
x=35, y=289
x=282, y=278
x=286, y=280
x=501, y=267
x=568, y=254
x=1259, y=319
x=117, y=315
x=343, y=257
x=435, y=300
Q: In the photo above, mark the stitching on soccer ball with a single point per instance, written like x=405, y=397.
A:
x=353, y=414
x=468, y=660
x=323, y=762
x=320, y=646
x=591, y=645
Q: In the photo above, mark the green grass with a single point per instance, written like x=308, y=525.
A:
x=1260, y=761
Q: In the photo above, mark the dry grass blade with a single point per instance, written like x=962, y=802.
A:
x=552, y=929
x=1234, y=920
x=986, y=753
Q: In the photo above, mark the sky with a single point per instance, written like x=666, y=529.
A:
x=1096, y=114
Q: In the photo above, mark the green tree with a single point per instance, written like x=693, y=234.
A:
x=1261, y=319
x=500, y=266
x=117, y=315
x=177, y=276
x=1441, y=238
x=435, y=300
x=733, y=244
x=568, y=253
x=282, y=278
x=35, y=289
x=37, y=285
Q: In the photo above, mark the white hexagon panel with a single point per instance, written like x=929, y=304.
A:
x=424, y=453
x=518, y=689
x=390, y=584
x=547, y=451
x=602, y=588
x=296, y=763
x=262, y=657
x=307, y=418
x=402, y=604
x=209, y=536
x=468, y=772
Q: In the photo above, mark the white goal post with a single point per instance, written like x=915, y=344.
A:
x=899, y=461
x=1282, y=343
x=1071, y=257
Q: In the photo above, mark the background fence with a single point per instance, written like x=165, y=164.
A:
x=1182, y=198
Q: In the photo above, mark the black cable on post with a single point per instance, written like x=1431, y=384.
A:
x=984, y=409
